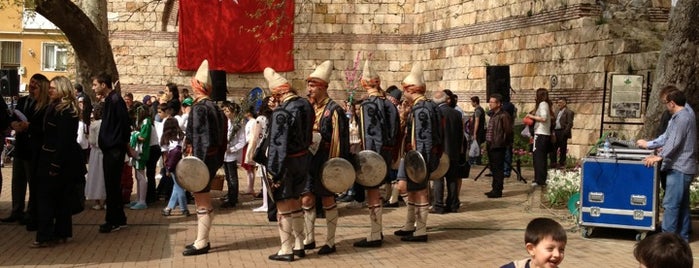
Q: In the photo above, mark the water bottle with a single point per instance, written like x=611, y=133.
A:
x=606, y=152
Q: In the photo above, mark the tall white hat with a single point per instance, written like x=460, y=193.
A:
x=368, y=74
x=274, y=80
x=202, y=74
x=323, y=71
x=415, y=77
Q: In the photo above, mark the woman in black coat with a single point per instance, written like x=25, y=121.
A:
x=58, y=170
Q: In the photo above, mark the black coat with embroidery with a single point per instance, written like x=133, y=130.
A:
x=291, y=132
x=379, y=123
x=206, y=131
x=425, y=127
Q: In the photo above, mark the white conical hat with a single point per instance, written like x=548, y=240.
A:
x=369, y=72
x=202, y=74
x=323, y=71
x=274, y=80
x=415, y=77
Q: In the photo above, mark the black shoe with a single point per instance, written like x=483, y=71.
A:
x=277, y=257
x=12, y=218
x=300, y=253
x=438, y=210
x=310, y=246
x=228, y=204
x=494, y=195
x=488, y=193
x=325, y=250
x=189, y=246
x=403, y=232
x=346, y=198
x=194, y=251
x=368, y=244
x=489, y=175
x=411, y=238
x=108, y=227
x=390, y=205
x=507, y=175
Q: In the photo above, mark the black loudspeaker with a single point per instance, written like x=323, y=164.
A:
x=218, y=85
x=498, y=81
x=9, y=82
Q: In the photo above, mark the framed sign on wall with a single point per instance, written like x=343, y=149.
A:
x=626, y=96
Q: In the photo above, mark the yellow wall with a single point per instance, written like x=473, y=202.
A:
x=32, y=40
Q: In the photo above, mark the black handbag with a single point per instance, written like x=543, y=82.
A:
x=260, y=155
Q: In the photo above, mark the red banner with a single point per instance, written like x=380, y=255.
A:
x=242, y=36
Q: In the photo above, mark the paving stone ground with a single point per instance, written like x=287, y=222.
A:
x=484, y=233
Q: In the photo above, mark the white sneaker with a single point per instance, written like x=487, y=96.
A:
x=260, y=209
x=534, y=184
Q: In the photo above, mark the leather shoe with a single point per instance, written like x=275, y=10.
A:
x=494, y=195
x=285, y=257
x=411, y=238
x=366, y=244
x=228, y=204
x=300, y=253
x=189, y=246
x=325, y=250
x=310, y=246
x=488, y=193
x=390, y=205
x=194, y=251
x=438, y=210
x=403, y=233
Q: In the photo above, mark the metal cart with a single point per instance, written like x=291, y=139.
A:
x=618, y=194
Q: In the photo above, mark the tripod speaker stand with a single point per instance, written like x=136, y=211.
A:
x=517, y=170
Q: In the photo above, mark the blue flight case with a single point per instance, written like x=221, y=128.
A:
x=618, y=193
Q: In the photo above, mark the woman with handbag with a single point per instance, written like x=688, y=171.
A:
x=170, y=144
x=58, y=171
x=542, y=135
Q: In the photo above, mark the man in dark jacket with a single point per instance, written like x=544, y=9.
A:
x=453, y=142
x=498, y=136
x=424, y=135
x=114, y=141
x=206, y=140
x=290, y=134
x=22, y=164
x=332, y=126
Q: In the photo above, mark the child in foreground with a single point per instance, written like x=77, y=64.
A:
x=545, y=241
x=663, y=250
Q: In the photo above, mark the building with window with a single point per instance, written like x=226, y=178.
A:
x=30, y=44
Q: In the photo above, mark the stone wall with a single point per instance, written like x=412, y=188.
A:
x=577, y=41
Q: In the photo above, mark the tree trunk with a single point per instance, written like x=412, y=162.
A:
x=96, y=11
x=678, y=63
x=91, y=45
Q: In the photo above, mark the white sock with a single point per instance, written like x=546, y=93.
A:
x=331, y=216
x=285, y=234
x=297, y=226
x=204, y=219
x=394, y=195
x=421, y=219
x=309, y=216
x=410, y=218
x=375, y=214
